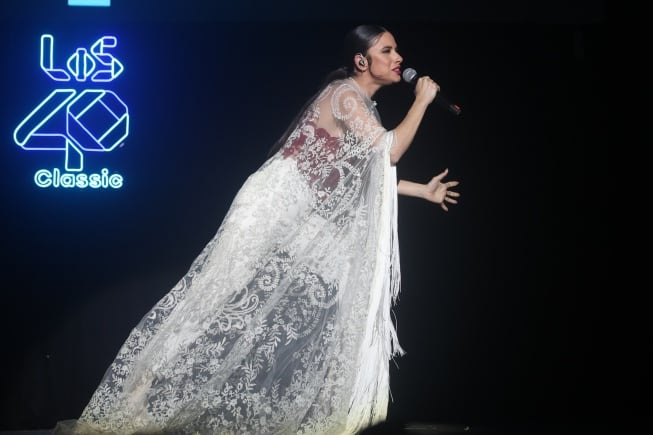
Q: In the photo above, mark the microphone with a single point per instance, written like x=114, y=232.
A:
x=410, y=76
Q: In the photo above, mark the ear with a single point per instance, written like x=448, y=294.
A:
x=360, y=61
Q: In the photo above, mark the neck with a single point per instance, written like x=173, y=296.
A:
x=368, y=86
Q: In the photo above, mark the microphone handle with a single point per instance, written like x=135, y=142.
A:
x=440, y=99
x=443, y=102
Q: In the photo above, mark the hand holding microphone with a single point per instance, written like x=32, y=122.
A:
x=410, y=76
x=425, y=89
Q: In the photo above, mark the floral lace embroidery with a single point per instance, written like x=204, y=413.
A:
x=279, y=326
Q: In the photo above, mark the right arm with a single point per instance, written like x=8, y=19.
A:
x=436, y=190
x=425, y=92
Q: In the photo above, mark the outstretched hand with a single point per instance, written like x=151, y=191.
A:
x=437, y=191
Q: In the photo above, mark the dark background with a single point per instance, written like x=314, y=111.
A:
x=514, y=309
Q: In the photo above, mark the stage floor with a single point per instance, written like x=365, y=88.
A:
x=437, y=428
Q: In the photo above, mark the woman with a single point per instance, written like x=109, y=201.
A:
x=282, y=324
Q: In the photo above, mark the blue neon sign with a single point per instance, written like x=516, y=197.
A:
x=81, y=64
x=93, y=120
x=89, y=3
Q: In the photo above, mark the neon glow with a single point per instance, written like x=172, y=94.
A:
x=93, y=120
x=46, y=178
x=105, y=3
x=47, y=60
x=81, y=64
x=112, y=67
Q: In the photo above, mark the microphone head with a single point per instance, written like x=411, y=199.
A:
x=409, y=75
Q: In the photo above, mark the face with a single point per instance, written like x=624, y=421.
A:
x=385, y=60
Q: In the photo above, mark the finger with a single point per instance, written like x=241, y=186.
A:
x=450, y=193
x=444, y=206
x=441, y=175
x=450, y=200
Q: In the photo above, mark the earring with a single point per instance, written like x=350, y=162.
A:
x=361, y=62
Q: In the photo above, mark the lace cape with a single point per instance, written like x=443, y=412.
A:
x=282, y=323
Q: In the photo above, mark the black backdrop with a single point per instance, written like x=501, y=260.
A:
x=503, y=310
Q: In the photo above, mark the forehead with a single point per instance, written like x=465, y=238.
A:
x=385, y=40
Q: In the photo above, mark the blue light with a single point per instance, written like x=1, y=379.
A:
x=47, y=60
x=89, y=3
x=99, y=65
x=45, y=178
x=91, y=120
x=112, y=66
x=95, y=120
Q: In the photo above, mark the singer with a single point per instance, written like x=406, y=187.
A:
x=282, y=323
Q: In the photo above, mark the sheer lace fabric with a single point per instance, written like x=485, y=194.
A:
x=282, y=323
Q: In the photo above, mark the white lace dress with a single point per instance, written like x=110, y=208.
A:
x=282, y=324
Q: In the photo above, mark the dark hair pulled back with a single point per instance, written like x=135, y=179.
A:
x=357, y=40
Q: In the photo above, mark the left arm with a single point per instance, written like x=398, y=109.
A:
x=436, y=190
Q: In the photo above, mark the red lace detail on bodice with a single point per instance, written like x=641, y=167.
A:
x=316, y=152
